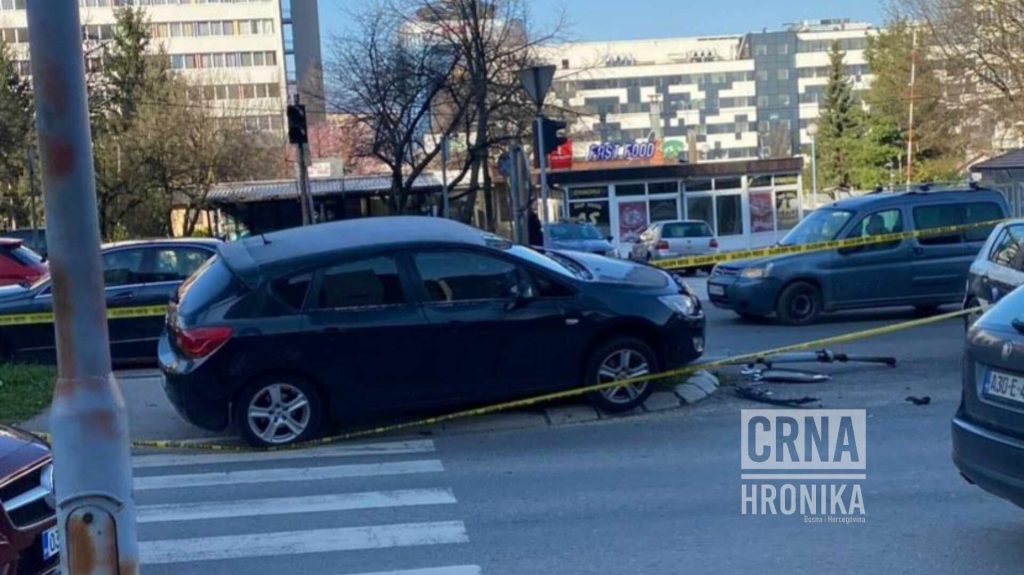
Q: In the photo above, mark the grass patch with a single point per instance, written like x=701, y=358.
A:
x=25, y=390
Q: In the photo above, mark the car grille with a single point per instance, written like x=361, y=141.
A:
x=723, y=271
x=24, y=498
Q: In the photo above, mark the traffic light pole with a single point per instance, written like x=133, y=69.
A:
x=298, y=135
x=542, y=162
x=89, y=423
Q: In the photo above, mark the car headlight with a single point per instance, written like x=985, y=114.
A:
x=756, y=272
x=682, y=303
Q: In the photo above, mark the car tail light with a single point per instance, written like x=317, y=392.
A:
x=200, y=342
x=661, y=245
x=713, y=243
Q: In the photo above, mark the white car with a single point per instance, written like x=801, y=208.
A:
x=675, y=239
x=998, y=269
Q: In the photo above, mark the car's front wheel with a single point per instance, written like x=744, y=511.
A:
x=799, y=304
x=620, y=359
x=278, y=411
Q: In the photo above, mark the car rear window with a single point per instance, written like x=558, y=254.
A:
x=213, y=282
x=930, y=217
x=686, y=230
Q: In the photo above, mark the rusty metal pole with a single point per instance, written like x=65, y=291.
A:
x=92, y=453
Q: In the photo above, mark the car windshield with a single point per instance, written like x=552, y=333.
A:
x=553, y=262
x=820, y=226
x=574, y=232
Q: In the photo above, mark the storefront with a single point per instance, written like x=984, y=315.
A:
x=748, y=203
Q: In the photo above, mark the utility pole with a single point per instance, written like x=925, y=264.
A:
x=298, y=134
x=31, y=153
x=91, y=449
x=545, y=193
x=913, y=97
x=536, y=82
x=445, y=153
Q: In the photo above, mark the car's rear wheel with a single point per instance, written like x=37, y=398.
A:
x=278, y=411
x=799, y=304
x=620, y=359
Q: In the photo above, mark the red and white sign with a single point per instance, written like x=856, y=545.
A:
x=561, y=158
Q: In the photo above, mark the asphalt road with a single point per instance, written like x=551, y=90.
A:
x=646, y=495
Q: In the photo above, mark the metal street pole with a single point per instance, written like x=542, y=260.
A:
x=444, y=175
x=32, y=196
x=305, y=197
x=544, y=192
x=814, y=171
x=92, y=453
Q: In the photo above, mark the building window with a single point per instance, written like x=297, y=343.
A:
x=783, y=49
x=761, y=50
x=729, y=211
x=784, y=74
x=784, y=100
x=761, y=75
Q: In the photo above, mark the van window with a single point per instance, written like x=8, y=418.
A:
x=1007, y=249
x=930, y=217
x=879, y=224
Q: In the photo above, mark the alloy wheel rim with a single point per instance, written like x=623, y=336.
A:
x=279, y=413
x=801, y=305
x=621, y=365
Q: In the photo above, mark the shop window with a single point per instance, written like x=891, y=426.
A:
x=630, y=190
x=729, y=211
x=728, y=184
x=700, y=208
x=787, y=211
x=588, y=193
x=595, y=213
x=664, y=210
x=698, y=185
x=760, y=181
x=662, y=188
x=762, y=211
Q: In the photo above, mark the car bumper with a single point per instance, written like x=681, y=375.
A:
x=753, y=296
x=990, y=460
x=193, y=391
x=684, y=338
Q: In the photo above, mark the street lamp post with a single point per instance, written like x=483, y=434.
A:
x=812, y=131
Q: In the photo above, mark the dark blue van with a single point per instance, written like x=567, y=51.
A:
x=924, y=272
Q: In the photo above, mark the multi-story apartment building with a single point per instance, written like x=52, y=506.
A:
x=248, y=55
x=725, y=97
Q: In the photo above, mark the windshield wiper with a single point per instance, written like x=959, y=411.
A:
x=1018, y=324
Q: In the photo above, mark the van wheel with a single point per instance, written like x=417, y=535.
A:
x=619, y=359
x=799, y=304
x=278, y=411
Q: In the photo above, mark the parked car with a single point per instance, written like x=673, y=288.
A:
x=19, y=264
x=998, y=269
x=137, y=274
x=988, y=429
x=283, y=334
x=34, y=239
x=924, y=272
x=29, y=544
x=580, y=238
x=676, y=239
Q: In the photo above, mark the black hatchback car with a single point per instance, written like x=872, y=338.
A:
x=988, y=430
x=285, y=333
x=139, y=276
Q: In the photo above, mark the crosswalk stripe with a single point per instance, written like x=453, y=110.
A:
x=288, y=505
x=355, y=450
x=301, y=542
x=280, y=475
x=452, y=570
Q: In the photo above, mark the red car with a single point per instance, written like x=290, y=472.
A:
x=29, y=544
x=18, y=264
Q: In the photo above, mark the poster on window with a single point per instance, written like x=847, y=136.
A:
x=786, y=209
x=762, y=212
x=632, y=220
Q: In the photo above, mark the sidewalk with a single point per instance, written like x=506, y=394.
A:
x=151, y=416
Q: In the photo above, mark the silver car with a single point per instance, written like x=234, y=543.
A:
x=675, y=239
x=998, y=269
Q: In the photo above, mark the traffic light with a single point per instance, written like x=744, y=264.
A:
x=297, y=130
x=554, y=136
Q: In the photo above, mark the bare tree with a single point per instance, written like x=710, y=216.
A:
x=387, y=80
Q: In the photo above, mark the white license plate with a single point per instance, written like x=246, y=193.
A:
x=1004, y=386
x=51, y=543
x=716, y=289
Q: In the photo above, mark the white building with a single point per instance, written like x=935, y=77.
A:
x=248, y=54
x=726, y=97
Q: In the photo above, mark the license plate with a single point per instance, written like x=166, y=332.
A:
x=51, y=543
x=1005, y=386
x=716, y=289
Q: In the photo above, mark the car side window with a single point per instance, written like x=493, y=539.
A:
x=546, y=288
x=458, y=276
x=371, y=282
x=1007, y=249
x=292, y=290
x=124, y=267
x=176, y=264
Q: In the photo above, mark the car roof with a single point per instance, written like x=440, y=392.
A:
x=209, y=242
x=313, y=242
x=918, y=196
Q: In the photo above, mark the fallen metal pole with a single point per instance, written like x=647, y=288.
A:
x=92, y=453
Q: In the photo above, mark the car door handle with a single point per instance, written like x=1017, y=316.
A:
x=122, y=297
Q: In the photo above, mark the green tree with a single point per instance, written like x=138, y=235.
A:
x=17, y=133
x=839, y=126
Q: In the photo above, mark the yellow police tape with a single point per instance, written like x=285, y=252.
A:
x=112, y=313
x=531, y=401
x=701, y=261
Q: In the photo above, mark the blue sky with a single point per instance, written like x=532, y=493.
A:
x=631, y=19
